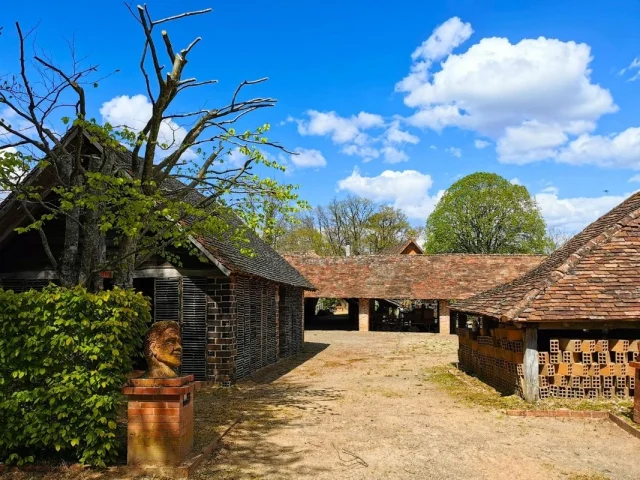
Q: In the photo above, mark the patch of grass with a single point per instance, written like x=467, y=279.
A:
x=470, y=390
x=588, y=476
x=473, y=391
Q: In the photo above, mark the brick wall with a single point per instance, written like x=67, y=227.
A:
x=247, y=328
x=222, y=329
x=291, y=334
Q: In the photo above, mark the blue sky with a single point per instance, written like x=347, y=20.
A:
x=394, y=101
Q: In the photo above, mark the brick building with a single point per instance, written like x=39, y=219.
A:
x=437, y=278
x=237, y=312
x=575, y=318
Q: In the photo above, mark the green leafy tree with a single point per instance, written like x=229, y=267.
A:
x=128, y=192
x=302, y=236
x=485, y=213
x=388, y=227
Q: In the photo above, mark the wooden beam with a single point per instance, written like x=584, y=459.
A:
x=531, y=370
x=210, y=257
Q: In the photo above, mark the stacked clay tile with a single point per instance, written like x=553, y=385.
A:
x=571, y=369
x=495, y=357
x=588, y=368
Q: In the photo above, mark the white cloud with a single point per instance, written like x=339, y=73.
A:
x=441, y=43
x=308, y=158
x=515, y=181
x=352, y=134
x=393, y=155
x=480, y=144
x=573, y=214
x=621, y=150
x=396, y=135
x=634, y=65
x=635, y=178
x=407, y=190
x=537, y=90
x=134, y=112
x=340, y=129
x=236, y=158
x=454, y=151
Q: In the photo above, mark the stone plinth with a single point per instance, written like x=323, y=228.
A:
x=636, y=406
x=160, y=416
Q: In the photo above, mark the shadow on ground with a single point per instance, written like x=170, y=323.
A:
x=265, y=402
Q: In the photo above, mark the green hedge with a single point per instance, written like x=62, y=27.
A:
x=64, y=355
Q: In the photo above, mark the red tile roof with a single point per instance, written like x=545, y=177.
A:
x=593, y=277
x=409, y=276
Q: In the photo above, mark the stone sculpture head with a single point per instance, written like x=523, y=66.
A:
x=163, y=349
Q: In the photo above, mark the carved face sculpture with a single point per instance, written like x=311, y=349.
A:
x=163, y=349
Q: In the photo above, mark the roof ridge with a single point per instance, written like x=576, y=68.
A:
x=571, y=262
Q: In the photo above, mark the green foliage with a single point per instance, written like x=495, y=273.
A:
x=485, y=213
x=64, y=355
x=388, y=227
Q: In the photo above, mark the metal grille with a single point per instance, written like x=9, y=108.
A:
x=167, y=299
x=194, y=327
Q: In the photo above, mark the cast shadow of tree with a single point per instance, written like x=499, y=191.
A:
x=268, y=403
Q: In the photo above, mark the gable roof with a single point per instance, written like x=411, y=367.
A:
x=265, y=261
x=594, y=276
x=416, y=277
x=400, y=248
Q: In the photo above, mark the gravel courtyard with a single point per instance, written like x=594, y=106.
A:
x=359, y=406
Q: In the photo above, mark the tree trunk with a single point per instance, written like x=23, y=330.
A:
x=92, y=255
x=123, y=275
x=69, y=262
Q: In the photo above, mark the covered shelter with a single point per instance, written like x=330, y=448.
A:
x=237, y=312
x=432, y=279
x=575, y=317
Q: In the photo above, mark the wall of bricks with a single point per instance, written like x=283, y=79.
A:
x=222, y=346
x=572, y=368
x=636, y=405
x=160, y=425
x=364, y=314
x=251, y=323
x=291, y=325
x=444, y=319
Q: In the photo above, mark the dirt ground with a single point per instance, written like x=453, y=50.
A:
x=365, y=406
x=359, y=406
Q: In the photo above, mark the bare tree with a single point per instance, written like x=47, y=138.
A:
x=123, y=186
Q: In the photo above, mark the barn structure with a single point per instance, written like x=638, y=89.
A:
x=431, y=280
x=569, y=327
x=238, y=313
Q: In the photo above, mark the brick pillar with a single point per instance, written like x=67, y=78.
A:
x=444, y=320
x=160, y=420
x=365, y=309
x=221, y=330
x=636, y=406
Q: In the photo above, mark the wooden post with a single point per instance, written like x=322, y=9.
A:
x=531, y=381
